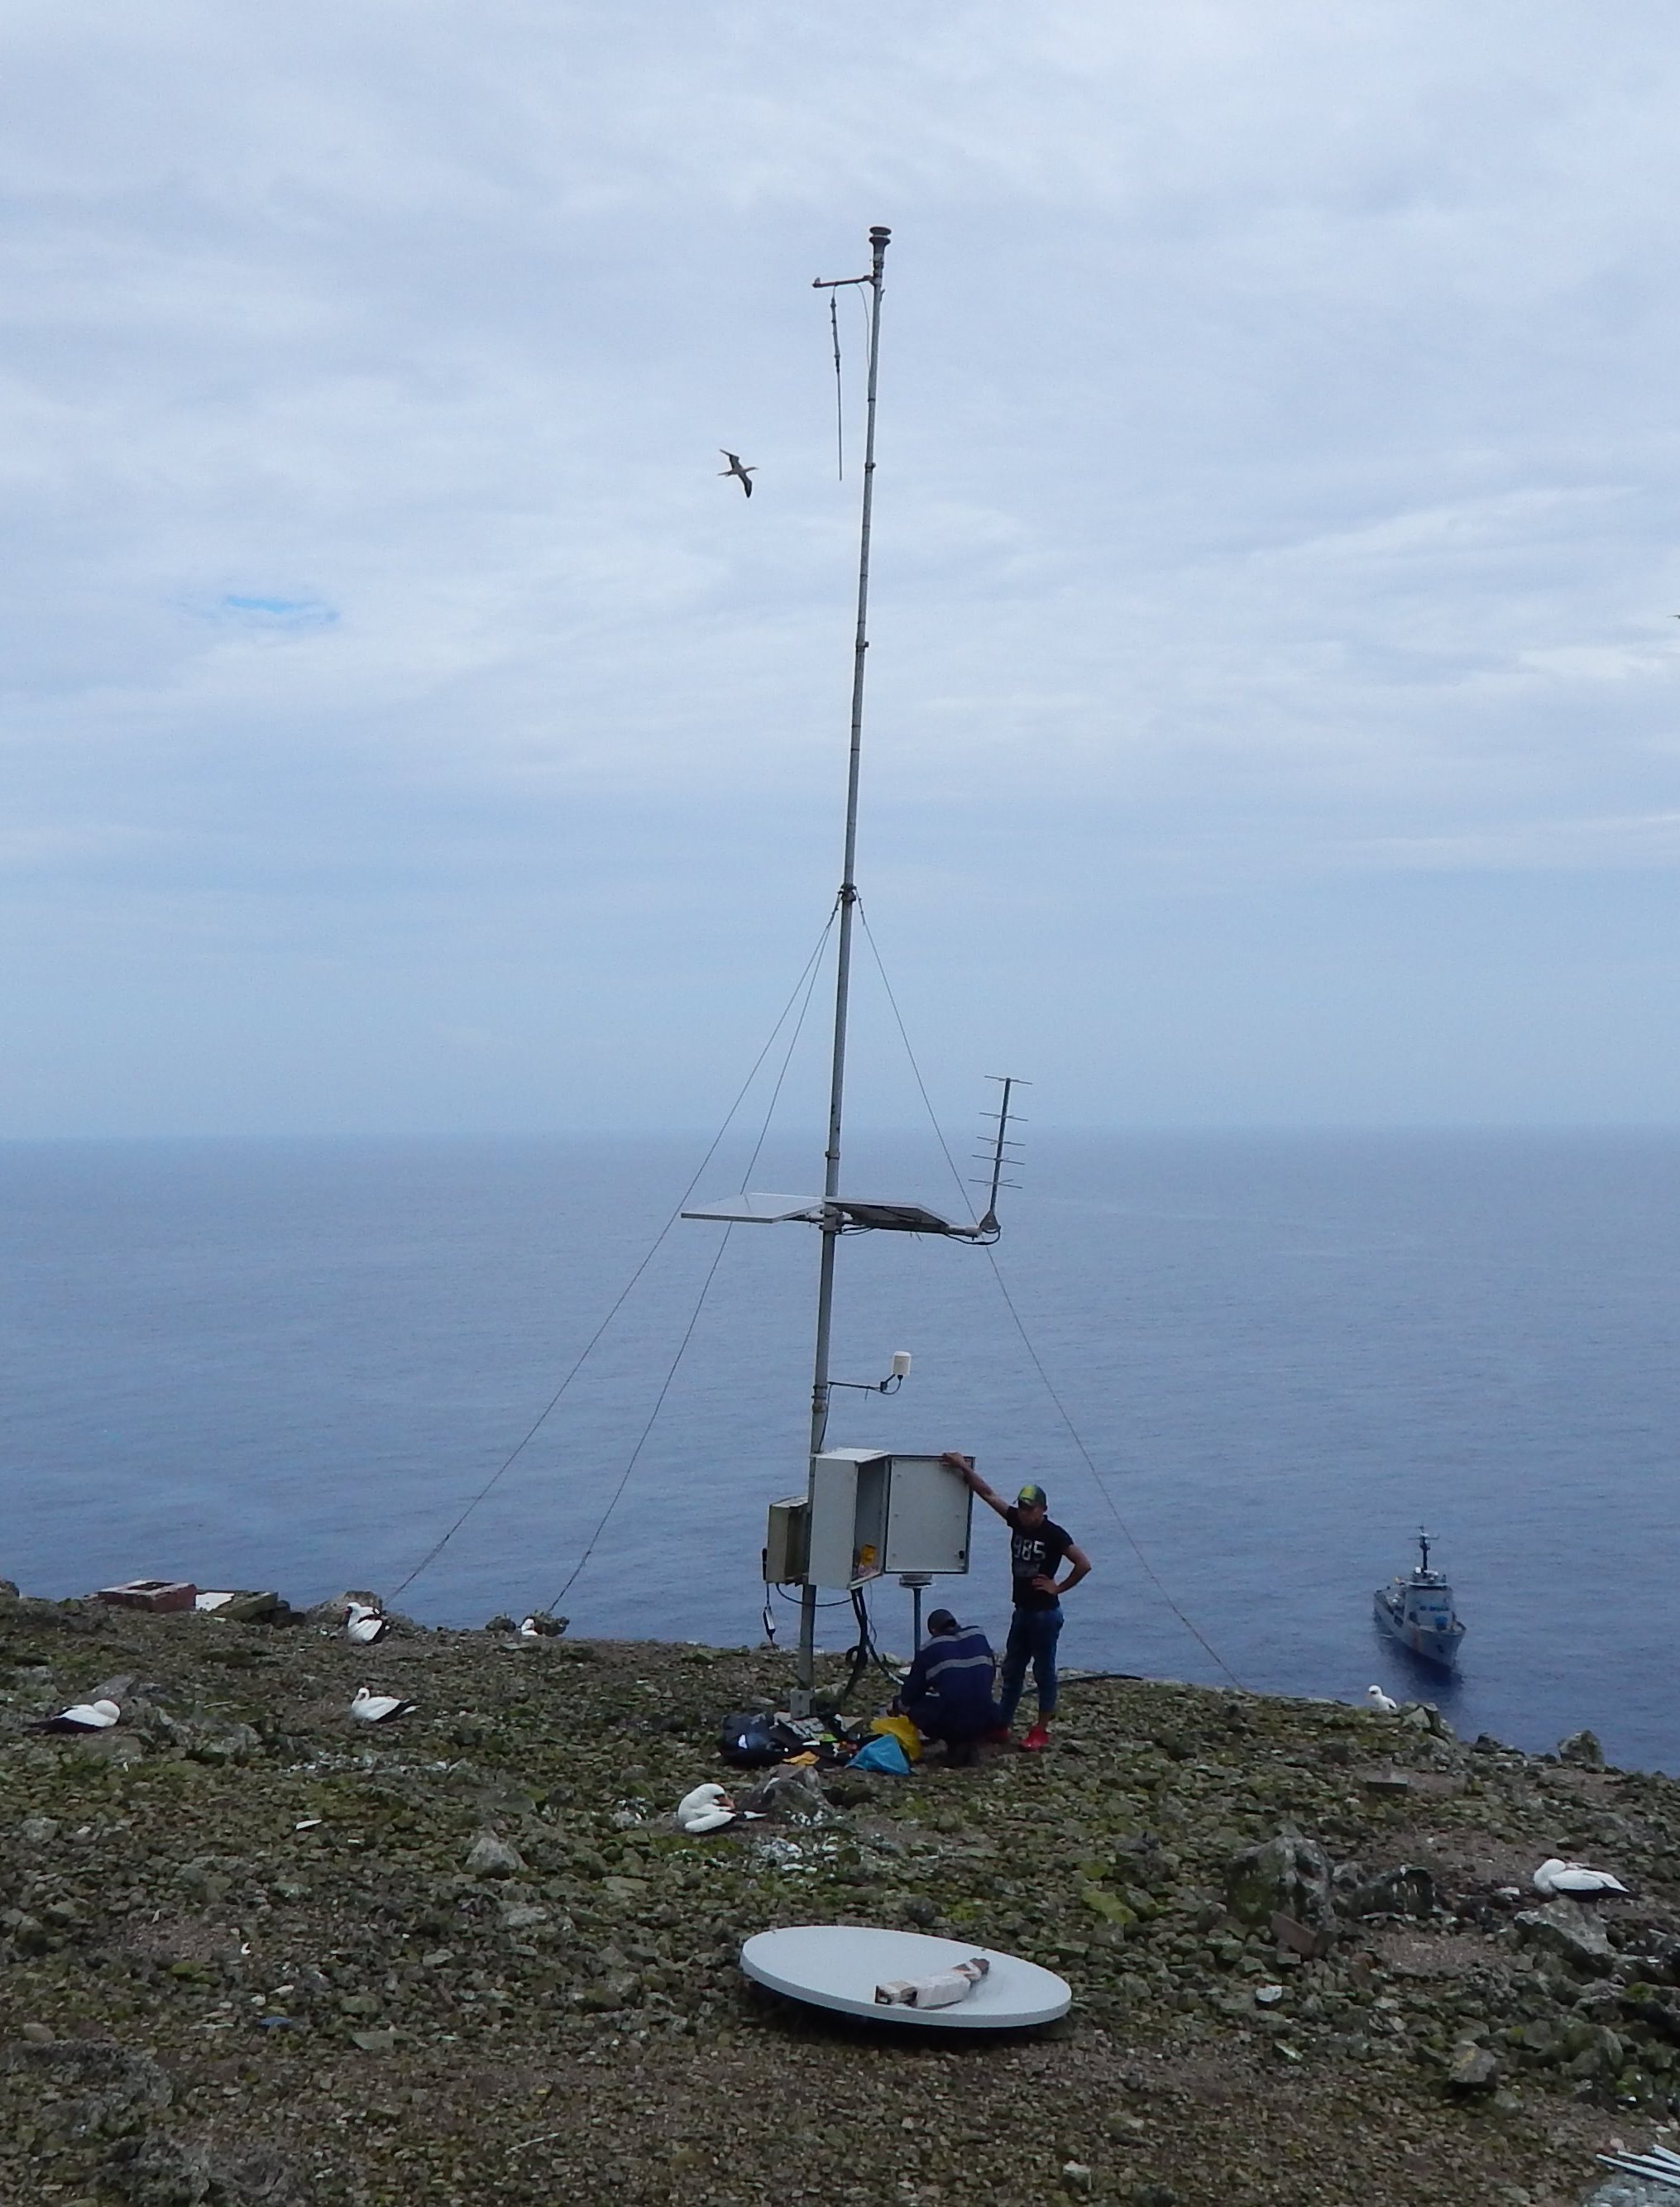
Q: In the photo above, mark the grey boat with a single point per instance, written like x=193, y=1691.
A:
x=1418, y=1611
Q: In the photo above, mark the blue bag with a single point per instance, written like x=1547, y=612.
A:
x=882, y=1753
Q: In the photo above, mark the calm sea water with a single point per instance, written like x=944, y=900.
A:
x=292, y=1364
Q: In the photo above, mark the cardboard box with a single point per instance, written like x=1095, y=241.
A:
x=158, y=1595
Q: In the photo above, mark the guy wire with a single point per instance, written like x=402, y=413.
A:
x=1062, y=1408
x=806, y=981
x=1149, y=1570
x=652, y=1415
x=812, y=969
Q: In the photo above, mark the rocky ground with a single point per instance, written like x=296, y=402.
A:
x=251, y=1951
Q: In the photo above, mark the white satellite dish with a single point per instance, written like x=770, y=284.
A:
x=839, y=1965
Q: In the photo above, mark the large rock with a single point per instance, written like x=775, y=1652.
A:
x=201, y=1737
x=1289, y=1876
x=103, y=2089
x=490, y=1856
x=1473, y=2069
x=1583, y=1749
x=1564, y=1928
x=1656, y=2011
x=1407, y=1891
x=796, y=1795
x=160, y=2172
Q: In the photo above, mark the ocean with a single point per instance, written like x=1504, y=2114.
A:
x=294, y=1364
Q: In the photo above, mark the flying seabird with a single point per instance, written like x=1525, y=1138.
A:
x=81, y=1716
x=1381, y=1702
x=377, y=1708
x=708, y=1809
x=1553, y=1877
x=364, y=1624
x=745, y=476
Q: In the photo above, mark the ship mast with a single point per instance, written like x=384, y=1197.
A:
x=831, y=1222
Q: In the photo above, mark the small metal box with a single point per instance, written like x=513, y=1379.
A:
x=787, y=1541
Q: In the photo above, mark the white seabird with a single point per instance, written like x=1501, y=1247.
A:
x=364, y=1624
x=743, y=475
x=81, y=1716
x=1554, y=1876
x=1382, y=1701
x=529, y=1629
x=708, y=1809
x=377, y=1708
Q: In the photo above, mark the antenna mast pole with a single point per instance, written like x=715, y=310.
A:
x=848, y=898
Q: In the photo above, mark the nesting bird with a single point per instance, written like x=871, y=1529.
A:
x=1575, y=1879
x=743, y=475
x=364, y=1624
x=708, y=1809
x=81, y=1716
x=379, y=1709
x=1383, y=1703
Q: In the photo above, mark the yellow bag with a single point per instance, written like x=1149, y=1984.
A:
x=902, y=1730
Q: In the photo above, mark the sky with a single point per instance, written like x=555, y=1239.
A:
x=1274, y=690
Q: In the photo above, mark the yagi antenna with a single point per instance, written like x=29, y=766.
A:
x=1002, y=1143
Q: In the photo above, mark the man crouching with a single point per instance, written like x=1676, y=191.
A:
x=948, y=1691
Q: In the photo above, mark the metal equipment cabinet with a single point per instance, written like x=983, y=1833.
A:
x=873, y=1513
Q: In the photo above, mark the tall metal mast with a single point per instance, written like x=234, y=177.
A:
x=831, y=1220
x=834, y=1212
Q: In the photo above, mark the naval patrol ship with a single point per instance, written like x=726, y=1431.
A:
x=1418, y=1611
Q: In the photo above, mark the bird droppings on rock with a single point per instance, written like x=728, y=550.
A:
x=286, y=1972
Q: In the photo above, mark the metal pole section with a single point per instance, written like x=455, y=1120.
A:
x=848, y=898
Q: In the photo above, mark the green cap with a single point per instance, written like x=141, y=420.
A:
x=1032, y=1497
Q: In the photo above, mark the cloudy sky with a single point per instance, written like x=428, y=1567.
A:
x=1275, y=694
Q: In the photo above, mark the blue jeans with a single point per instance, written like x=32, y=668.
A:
x=1033, y=1633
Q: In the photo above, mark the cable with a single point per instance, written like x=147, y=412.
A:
x=807, y=981
x=840, y=1601
x=839, y=404
x=1090, y=1462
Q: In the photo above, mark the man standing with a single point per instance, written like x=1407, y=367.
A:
x=948, y=1691
x=1037, y=1546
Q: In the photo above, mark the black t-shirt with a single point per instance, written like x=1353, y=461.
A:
x=1033, y=1555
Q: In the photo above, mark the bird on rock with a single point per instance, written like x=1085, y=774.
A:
x=81, y=1716
x=529, y=1629
x=364, y=1624
x=1575, y=1879
x=377, y=1708
x=743, y=475
x=1381, y=1702
x=708, y=1809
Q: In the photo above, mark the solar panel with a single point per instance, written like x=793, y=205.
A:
x=882, y=1218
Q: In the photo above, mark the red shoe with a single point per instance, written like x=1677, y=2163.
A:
x=997, y=1736
x=1038, y=1737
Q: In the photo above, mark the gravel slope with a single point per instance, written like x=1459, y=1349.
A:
x=254, y=1952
